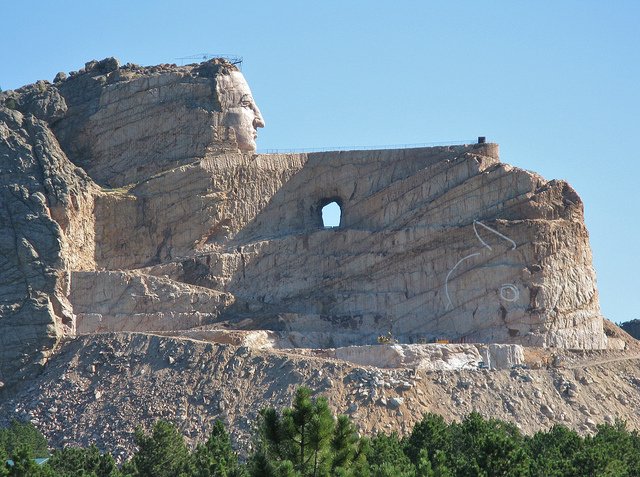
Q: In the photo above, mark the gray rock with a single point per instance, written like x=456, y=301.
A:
x=395, y=402
x=209, y=228
x=42, y=218
x=547, y=411
x=41, y=99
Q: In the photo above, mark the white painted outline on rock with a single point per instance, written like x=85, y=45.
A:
x=512, y=288
x=509, y=288
x=491, y=230
x=446, y=282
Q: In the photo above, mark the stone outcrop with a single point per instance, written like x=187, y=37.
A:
x=124, y=124
x=121, y=301
x=433, y=243
x=434, y=357
x=46, y=230
x=126, y=200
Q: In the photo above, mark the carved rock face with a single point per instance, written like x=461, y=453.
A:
x=443, y=242
x=241, y=112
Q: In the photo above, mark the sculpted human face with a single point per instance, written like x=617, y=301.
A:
x=240, y=110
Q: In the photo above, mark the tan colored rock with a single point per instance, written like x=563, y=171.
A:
x=500, y=356
x=185, y=230
x=432, y=357
x=119, y=301
x=126, y=124
x=140, y=378
x=435, y=242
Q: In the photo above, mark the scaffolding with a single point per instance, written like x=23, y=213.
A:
x=233, y=59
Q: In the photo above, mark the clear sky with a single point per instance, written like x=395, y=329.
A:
x=555, y=83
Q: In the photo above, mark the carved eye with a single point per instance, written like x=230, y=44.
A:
x=246, y=101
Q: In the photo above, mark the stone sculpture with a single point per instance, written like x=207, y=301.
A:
x=241, y=113
x=130, y=202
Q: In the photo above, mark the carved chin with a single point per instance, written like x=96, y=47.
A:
x=244, y=136
x=247, y=145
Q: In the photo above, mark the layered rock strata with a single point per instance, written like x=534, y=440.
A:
x=433, y=243
x=119, y=125
x=126, y=202
x=46, y=230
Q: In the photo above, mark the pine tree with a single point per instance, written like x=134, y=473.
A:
x=431, y=434
x=3, y=461
x=387, y=458
x=23, y=463
x=307, y=440
x=161, y=454
x=78, y=462
x=216, y=458
x=20, y=434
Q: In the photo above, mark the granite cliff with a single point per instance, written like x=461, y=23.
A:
x=132, y=201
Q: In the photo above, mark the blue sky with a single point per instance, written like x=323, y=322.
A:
x=555, y=83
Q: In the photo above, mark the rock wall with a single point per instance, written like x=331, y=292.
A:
x=125, y=301
x=128, y=180
x=46, y=229
x=124, y=124
x=436, y=242
x=433, y=357
x=117, y=125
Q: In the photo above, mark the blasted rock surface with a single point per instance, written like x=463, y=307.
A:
x=46, y=229
x=124, y=124
x=126, y=200
x=98, y=388
x=437, y=242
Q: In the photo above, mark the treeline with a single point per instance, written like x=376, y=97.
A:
x=307, y=440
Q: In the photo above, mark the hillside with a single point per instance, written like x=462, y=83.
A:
x=155, y=266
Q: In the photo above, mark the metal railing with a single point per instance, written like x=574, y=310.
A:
x=367, y=148
x=233, y=59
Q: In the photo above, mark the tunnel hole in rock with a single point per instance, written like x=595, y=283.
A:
x=331, y=212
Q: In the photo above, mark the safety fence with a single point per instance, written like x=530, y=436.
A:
x=369, y=148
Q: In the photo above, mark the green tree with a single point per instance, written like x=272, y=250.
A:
x=4, y=470
x=431, y=434
x=440, y=468
x=387, y=458
x=612, y=451
x=302, y=435
x=163, y=453
x=262, y=466
x=23, y=463
x=79, y=462
x=487, y=448
x=216, y=458
x=620, y=444
x=20, y=434
x=308, y=437
x=349, y=451
x=424, y=467
x=259, y=464
x=554, y=451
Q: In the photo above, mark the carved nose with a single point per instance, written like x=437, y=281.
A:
x=258, y=122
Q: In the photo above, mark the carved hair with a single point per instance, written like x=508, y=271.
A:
x=215, y=67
